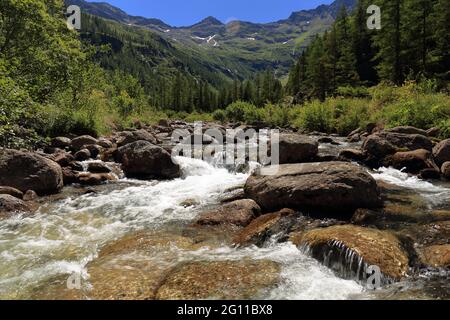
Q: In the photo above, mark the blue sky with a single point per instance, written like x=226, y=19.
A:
x=188, y=12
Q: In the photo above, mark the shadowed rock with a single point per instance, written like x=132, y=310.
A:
x=29, y=171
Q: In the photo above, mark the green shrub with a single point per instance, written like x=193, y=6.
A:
x=219, y=115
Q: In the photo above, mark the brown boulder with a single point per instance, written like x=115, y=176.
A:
x=93, y=179
x=374, y=247
x=411, y=161
x=61, y=142
x=441, y=152
x=10, y=205
x=436, y=256
x=29, y=171
x=98, y=167
x=83, y=155
x=265, y=226
x=384, y=143
x=337, y=187
x=81, y=141
x=219, y=280
x=127, y=137
x=296, y=148
x=240, y=213
x=142, y=159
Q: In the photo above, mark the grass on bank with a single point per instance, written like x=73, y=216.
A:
x=100, y=112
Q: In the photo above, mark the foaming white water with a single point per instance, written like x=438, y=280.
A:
x=65, y=236
x=433, y=193
x=302, y=277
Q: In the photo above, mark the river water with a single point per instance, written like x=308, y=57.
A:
x=66, y=234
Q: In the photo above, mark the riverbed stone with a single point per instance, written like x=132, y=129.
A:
x=296, y=148
x=411, y=161
x=240, y=213
x=79, y=142
x=143, y=160
x=228, y=280
x=10, y=205
x=29, y=171
x=375, y=247
x=265, y=226
x=381, y=144
x=12, y=192
x=445, y=169
x=127, y=137
x=61, y=142
x=98, y=167
x=328, y=187
x=436, y=256
x=82, y=155
x=441, y=152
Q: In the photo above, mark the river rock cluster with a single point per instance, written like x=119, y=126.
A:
x=328, y=204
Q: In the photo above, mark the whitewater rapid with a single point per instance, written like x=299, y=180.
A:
x=63, y=237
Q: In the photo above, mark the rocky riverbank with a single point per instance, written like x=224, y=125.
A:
x=341, y=201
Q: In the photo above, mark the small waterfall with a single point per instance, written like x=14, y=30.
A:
x=344, y=261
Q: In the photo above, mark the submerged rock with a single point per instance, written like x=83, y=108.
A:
x=336, y=187
x=240, y=213
x=29, y=171
x=436, y=256
x=264, y=227
x=229, y=280
x=374, y=247
x=10, y=205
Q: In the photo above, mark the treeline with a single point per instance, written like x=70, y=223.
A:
x=172, y=79
x=413, y=44
x=49, y=82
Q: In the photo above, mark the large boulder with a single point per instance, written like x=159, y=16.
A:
x=373, y=247
x=10, y=205
x=219, y=280
x=384, y=143
x=337, y=187
x=127, y=137
x=296, y=148
x=142, y=159
x=441, y=152
x=240, y=213
x=411, y=161
x=29, y=171
x=79, y=142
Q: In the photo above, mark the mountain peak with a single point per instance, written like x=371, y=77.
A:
x=211, y=21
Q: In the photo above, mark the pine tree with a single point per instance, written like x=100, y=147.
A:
x=389, y=42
